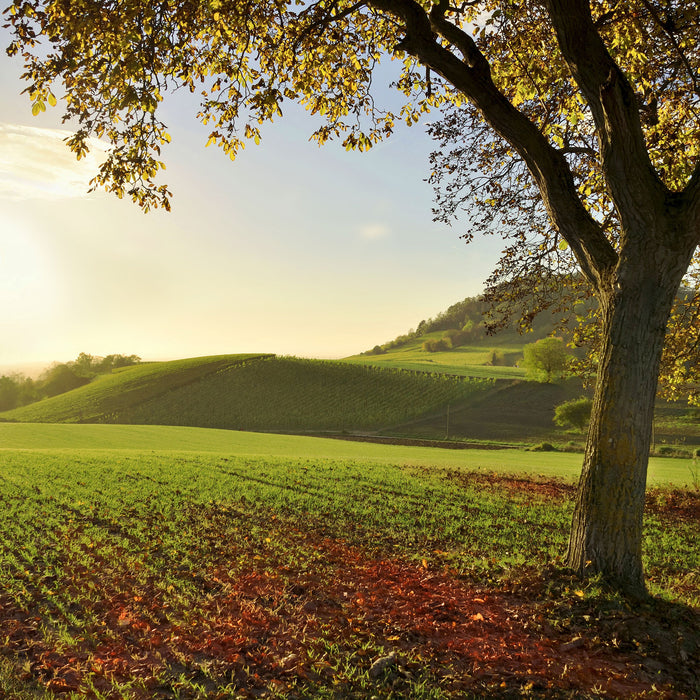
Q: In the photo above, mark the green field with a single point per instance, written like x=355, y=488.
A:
x=144, y=561
x=255, y=393
x=282, y=394
x=675, y=472
x=468, y=361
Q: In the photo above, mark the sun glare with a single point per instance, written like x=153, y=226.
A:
x=25, y=275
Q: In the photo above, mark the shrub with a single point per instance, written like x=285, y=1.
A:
x=434, y=345
x=575, y=413
x=544, y=447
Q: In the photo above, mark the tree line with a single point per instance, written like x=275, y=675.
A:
x=472, y=320
x=17, y=390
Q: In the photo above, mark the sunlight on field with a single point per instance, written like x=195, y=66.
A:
x=32, y=436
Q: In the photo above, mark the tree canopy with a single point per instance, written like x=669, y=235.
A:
x=570, y=127
x=546, y=360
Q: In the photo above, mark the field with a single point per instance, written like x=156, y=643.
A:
x=468, y=361
x=139, y=561
x=396, y=398
x=255, y=393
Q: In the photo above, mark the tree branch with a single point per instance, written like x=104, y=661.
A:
x=322, y=24
x=549, y=168
x=691, y=196
x=614, y=108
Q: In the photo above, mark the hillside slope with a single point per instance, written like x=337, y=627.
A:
x=257, y=392
x=472, y=360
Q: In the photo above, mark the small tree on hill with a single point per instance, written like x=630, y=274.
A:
x=546, y=360
x=575, y=413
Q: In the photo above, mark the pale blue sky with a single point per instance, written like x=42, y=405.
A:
x=292, y=248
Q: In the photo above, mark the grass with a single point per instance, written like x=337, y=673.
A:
x=110, y=395
x=154, y=572
x=468, y=361
x=73, y=440
x=264, y=392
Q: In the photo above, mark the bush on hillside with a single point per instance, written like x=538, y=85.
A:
x=575, y=413
x=377, y=350
x=437, y=345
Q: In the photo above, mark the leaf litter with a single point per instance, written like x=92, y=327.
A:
x=254, y=604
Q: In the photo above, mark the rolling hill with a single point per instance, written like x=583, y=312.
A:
x=472, y=392
x=256, y=392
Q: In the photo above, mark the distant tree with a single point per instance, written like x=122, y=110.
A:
x=546, y=360
x=9, y=393
x=107, y=364
x=84, y=365
x=61, y=378
x=575, y=413
x=496, y=358
x=28, y=390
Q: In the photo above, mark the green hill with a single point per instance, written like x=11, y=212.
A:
x=489, y=357
x=255, y=392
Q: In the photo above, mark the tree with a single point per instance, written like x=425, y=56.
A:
x=591, y=108
x=546, y=360
x=61, y=378
x=85, y=365
x=575, y=413
x=9, y=392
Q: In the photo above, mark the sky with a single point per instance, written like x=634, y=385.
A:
x=293, y=249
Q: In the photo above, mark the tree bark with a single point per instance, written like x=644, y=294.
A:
x=606, y=532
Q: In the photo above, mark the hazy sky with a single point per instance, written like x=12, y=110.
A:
x=292, y=248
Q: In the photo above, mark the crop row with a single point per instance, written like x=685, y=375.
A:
x=294, y=394
x=122, y=389
x=140, y=575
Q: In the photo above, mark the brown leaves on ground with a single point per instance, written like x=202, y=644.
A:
x=302, y=611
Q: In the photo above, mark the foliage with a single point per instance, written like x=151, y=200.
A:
x=472, y=322
x=546, y=360
x=575, y=413
x=437, y=344
x=89, y=365
x=17, y=390
x=61, y=378
x=9, y=393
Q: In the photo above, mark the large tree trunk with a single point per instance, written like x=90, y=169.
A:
x=606, y=533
